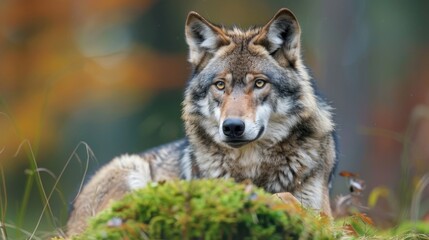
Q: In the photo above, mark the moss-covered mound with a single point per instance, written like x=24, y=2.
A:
x=206, y=209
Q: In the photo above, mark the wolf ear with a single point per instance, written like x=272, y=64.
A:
x=281, y=37
x=202, y=37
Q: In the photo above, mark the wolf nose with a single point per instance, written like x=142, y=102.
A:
x=233, y=127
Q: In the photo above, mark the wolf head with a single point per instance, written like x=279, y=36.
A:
x=247, y=86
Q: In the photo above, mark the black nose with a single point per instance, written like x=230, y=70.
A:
x=233, y=127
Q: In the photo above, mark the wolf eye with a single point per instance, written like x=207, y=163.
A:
x=220, y=85
x=260, y=83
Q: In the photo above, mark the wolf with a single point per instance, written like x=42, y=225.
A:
x=250, y=112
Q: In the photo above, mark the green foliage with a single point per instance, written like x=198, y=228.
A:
x=358, y=227
x=206, y=209
x=408, y=227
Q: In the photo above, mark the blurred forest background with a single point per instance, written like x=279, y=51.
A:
x=111, y=74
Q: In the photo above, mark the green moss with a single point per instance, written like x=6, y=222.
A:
x=205, y=209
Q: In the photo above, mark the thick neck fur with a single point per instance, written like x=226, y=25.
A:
x=280, y=166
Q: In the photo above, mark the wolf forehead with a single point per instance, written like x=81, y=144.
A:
x=239, y=57
x=239, y=62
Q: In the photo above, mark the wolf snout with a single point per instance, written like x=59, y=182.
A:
x=233, y=127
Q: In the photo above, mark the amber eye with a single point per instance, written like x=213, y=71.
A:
x=260, y=83
x=220, y=85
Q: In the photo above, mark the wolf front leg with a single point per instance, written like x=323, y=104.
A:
x=314, y=193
